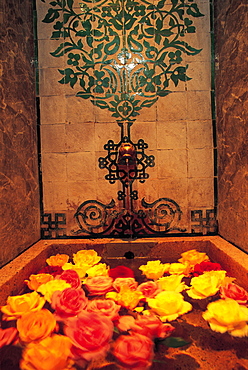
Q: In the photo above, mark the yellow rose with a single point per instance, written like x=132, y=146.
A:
x=34, y=326
x=169, y=305
x=227, y=316
x=154, y=269
x=86, y=257
x=36, y=280
x=49, y=288
x=172, y=283
x=51, y=353
x=178, y=269
x=206, y=285
x=58, y=260
x=20, y=304
x=192, y=257
x=126, y=297
x=98, y=270
x=80, y=269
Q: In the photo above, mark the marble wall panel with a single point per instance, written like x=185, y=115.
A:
x=231, y=33
x=19, y=197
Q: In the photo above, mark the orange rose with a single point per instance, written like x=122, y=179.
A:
x=35, y=326
x=36, y=280
x=51, y=353
x=20, y=304
x=193, y=257
x=58, y=260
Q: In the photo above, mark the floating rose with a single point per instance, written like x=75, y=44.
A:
x=233, y=291
x=204, y=266
x=98, y=285
x=80, y=269
x=68, y=303
x=71, y=277
x=172, y=283
x=169, y=305
x=227, y=316
x=206, y=285
x=86, y=257
x=106, y=307
x=121, y=271
x=126, y=297
x=134, y=351
x=192, y=257
x=101, y=269
x=128, y=281
x=49, y=288
x=20, y=304
x=149, y=289
x=51, y=353
x=150, y=326
x=8, y=336
x=154, y=269
x=35, y=281
x=90, y=334
x=35, y=326
x=178, y=269
x=57, y=260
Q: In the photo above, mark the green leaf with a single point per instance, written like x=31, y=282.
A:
x=112, y=46
x=163, y=92
x=148, y=103
x=51, y=15
x=194, y=11
x=70, y=3
x=83, y=95
x=174, y=342
x=101, y=104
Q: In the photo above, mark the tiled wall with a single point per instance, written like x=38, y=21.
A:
x=178, y=129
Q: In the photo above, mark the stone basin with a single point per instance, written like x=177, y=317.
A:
x=208, y=349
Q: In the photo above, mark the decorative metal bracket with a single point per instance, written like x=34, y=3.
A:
x=157, y=218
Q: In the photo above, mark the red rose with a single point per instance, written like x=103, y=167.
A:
x=52, y=270
x=131, y=283
x=8, y=336
x=121, y=271
x=68, y=302
x=134, y=351
x=71, y=277
x=233, y=291
x=200, y=268
x=99, y=285
x=90, y=334
x=105, y=307
x=149, y=289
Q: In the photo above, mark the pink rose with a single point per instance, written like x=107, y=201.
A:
x=129, y=282
x=8, y=336
x=233, y=291
x=134, y=351
x=150, y=326
x=105, y=307
x=121, y=271
x=149, y=289
x=71, y=277
x=99, y=285
x=200, y=268
x=68, y=302
x=90, y=334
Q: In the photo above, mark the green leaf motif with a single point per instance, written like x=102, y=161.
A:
x=121, y=49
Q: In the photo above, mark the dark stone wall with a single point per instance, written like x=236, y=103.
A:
x=231, y=47
x=19, y=196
